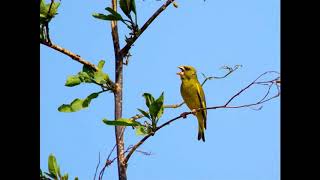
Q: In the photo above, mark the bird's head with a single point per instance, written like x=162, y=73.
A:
x=187, y=72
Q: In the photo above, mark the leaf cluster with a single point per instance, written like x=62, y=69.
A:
x=154, y=113
x=128, y=8
x=48, y=10
x=54, y=171
x=87, y=75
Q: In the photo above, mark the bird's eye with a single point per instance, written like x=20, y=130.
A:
x=187, y=68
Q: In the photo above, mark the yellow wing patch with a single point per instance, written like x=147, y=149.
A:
x=202, y=100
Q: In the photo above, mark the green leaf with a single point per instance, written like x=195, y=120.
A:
x=73, y=81
x=124, y=7
x=53, y=166
x=54, y=8
x=45, y=15
x=101, y=64
x=141, y=130
x=88, y=70
x=78, y=104
x=121, y=122
x=88, y=75
x=100, y=77
x=76, y=178
x=144, y=113
x=149, y=99
x=156, y=108
x=65, y=108
x=160, y=100
x=87, y=101
x=133, y=7
x=109, y=17
x=43, y=12
x=65, y=177
x=113, y=12
x=84, y=77
x=43, y=7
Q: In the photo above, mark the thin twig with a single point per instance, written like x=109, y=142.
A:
x=248, y=86
x=111, y=151
x=94, y=178
x=47, y=24
x=52, y=1
x=70, y=54
x=129, y=44
x=173, y=105
x=108, y=162
x=268, y=92
x=47, y=38
x=230, y=70
x=144, y=153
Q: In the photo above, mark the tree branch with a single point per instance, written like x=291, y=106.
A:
x=185, y=114
x=94, y=178
x=52, y=1
x=122, y=168
x=254, y=82
x=70, y=54
x=129, y=44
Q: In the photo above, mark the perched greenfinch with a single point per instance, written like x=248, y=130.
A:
x=193, y=95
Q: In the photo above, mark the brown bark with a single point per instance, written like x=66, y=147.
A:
x=122, y=168
x=70, y=54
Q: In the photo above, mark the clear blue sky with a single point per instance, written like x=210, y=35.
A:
x=241, y=144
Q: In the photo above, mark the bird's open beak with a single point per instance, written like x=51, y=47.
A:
x=182, y=70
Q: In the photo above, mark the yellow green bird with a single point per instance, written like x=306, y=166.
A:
x=193, y=95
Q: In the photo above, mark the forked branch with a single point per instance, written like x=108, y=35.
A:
x=127, y=47
x=110, y=161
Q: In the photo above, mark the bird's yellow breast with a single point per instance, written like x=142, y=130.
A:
x=189, y=92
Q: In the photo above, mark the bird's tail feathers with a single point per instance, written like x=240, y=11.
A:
x=201, y=128
x=201, y=136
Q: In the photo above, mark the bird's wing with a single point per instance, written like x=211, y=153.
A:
x=202, y=103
